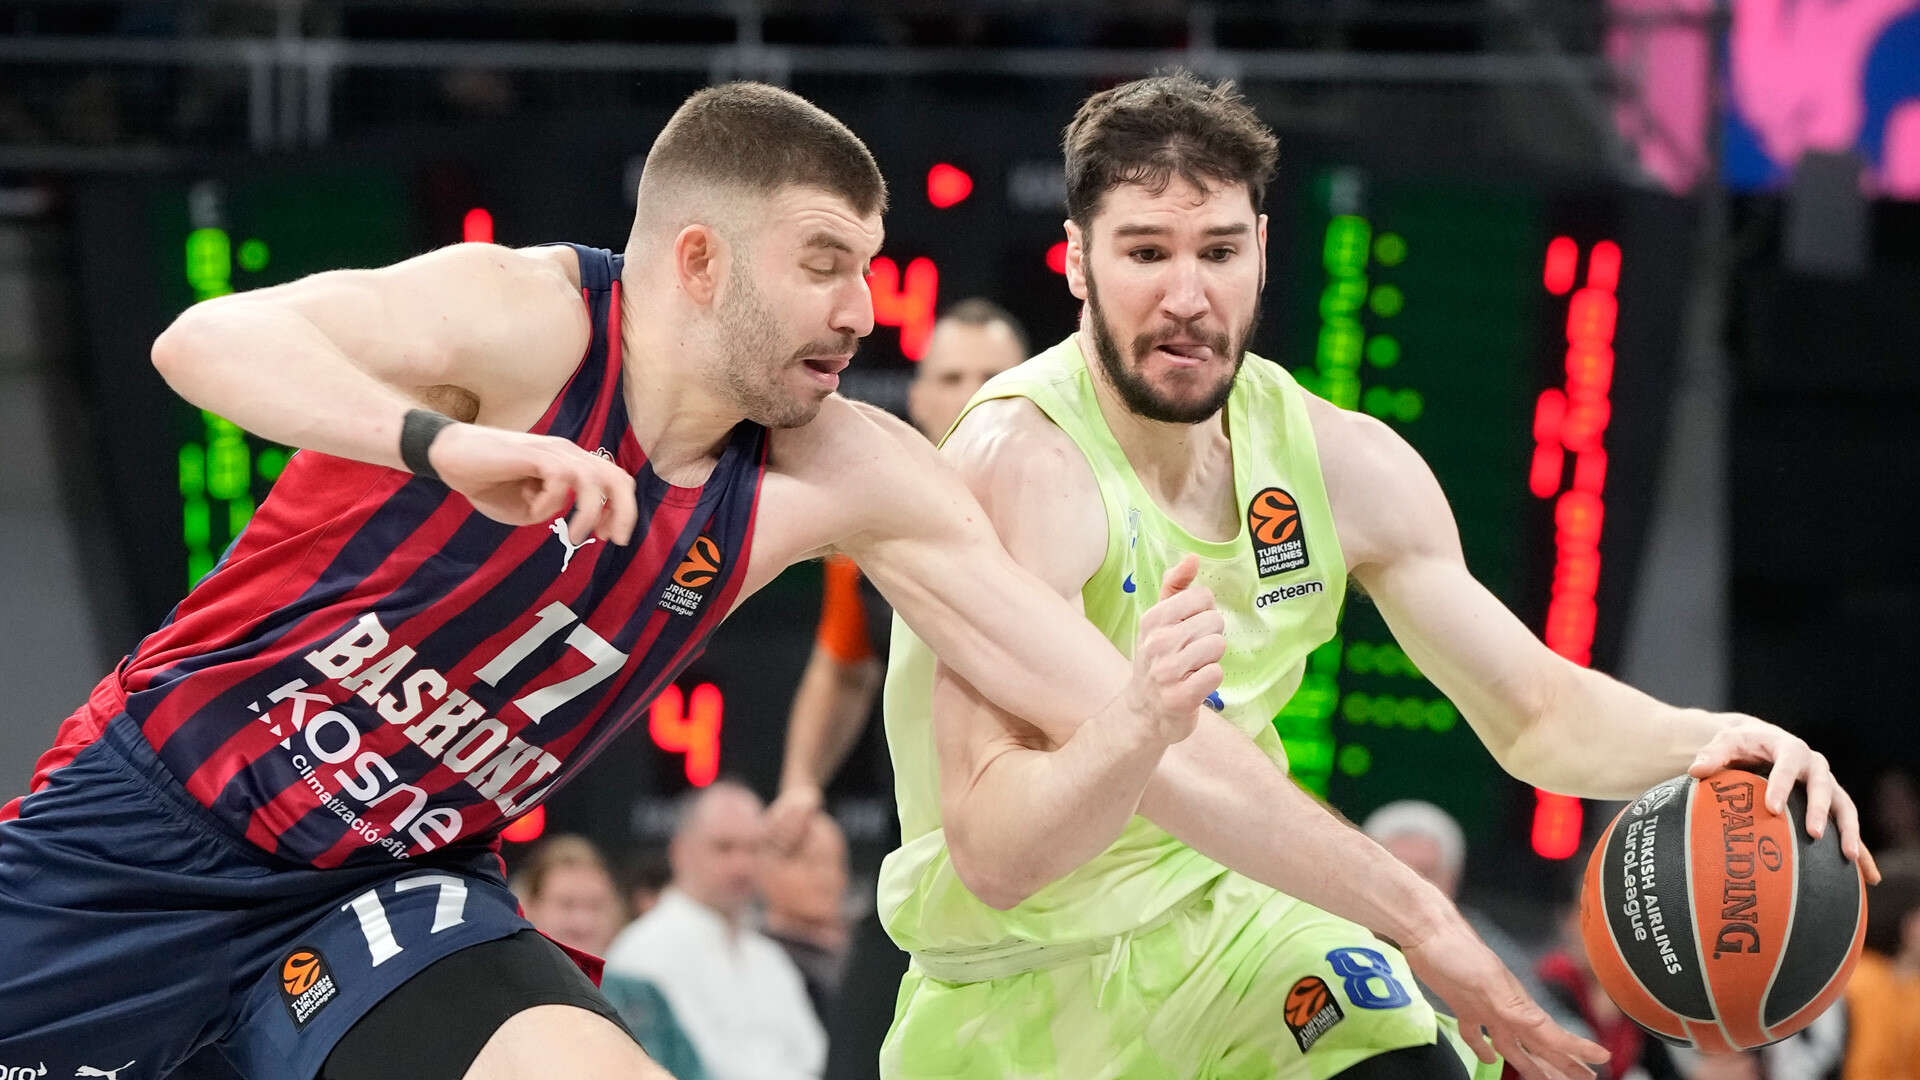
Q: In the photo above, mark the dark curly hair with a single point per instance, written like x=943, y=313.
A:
x=1150, y=130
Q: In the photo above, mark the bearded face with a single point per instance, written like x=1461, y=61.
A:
x=1172, y=281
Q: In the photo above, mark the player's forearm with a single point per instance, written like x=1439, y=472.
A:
x=830, y=709
x=269, y=370
x=1031, y=816
x=1217, y=792
x=1005, y=632
x=1599, y=738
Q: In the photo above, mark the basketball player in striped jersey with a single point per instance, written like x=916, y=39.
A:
x=530, y=483
x=1188, y=911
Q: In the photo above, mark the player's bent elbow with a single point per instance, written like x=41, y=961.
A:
x=996, y=894
x=173, y=350
x=987, y=875
x=185, y=343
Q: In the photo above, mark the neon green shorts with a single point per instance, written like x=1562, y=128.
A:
x=1239, y=982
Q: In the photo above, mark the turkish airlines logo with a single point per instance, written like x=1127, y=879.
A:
x=306, y=984
x=1310, y=1011
x=701, y=564
x=1279, y=538
x=687, y=591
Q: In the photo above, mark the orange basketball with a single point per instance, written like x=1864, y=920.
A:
x=298, y=972
x=1714, y=922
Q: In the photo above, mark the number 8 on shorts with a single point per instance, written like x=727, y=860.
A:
x=1369, y=979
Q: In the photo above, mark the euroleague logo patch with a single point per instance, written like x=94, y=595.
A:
x=306, y=984
x=684, y=594
x=1311, y=1011
x=1279, y=538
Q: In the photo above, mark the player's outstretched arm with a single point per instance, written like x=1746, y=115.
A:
x=1546, y=719
x=335, y=361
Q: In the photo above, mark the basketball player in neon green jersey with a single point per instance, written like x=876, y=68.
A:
x=1067, y=918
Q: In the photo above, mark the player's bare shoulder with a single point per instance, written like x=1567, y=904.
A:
x=1036, y=486
x=1385, y=499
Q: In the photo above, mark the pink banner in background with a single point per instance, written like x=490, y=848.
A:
x=1801, y=75
x=1669, y=62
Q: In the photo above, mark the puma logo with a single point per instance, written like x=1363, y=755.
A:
x=559, y=528
x=110, y=1074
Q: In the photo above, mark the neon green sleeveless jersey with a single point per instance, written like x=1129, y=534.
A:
x=1279, y=583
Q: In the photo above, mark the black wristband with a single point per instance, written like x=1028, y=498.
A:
x=417, y=433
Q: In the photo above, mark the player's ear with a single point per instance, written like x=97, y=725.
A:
x=1260, y=231
x=700, y=259
x=1076, y=251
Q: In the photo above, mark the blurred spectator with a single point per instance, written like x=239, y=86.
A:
x=568, y=894
x=1429, y=841
x=1572, y=984
x=1895, y=821
x=974, y=341
x=738, y=996
x=805, y=890
x=1883, y=1000
x=646, y=875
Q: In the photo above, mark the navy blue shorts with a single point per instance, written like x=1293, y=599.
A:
x=134, y=930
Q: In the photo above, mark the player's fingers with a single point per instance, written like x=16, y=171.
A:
x=1789, y=761
x=1717, y=754
x=550, y=499
x=1201, y=624
x=1522, y=1062
x=1473, y=1033
x=588, y=505
x=1846, y=816
x=623, y=510
x=1561, y=1064
x=1200, y=682
x=1201, y=651
x=609, y=483
x=1179, y=576
x=1178, y=607
x=1820, y=788
x=1549, y=1039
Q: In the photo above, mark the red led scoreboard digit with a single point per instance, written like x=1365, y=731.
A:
x=690, y=724
x=1572, y=421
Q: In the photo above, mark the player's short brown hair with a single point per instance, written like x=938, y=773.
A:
x=1150, y=130
x=762, y=138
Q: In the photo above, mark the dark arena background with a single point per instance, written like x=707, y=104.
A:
x=1657, y=332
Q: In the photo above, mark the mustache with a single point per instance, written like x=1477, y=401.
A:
x=1195, y=331
x=843, y=343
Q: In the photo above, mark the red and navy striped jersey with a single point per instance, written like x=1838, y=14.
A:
x=375, y=666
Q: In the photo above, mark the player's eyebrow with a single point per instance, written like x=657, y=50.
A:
x=827, y=240
x=1142, y=229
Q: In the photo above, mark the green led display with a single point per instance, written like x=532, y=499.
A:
x=292, y=226
x=1425, y=282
